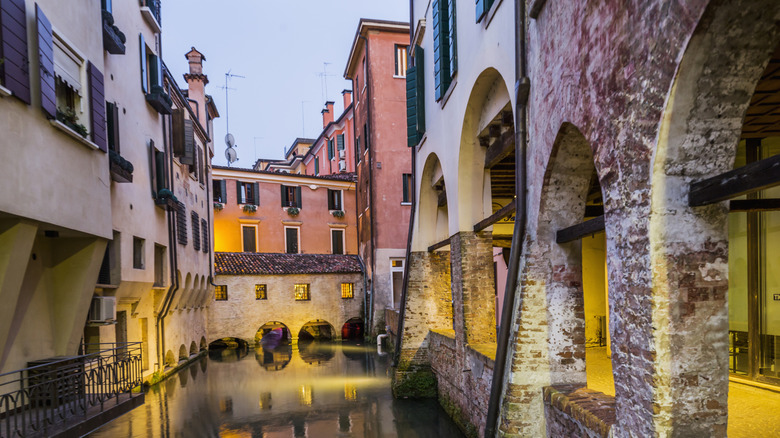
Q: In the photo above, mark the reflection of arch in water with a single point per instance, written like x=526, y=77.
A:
x=274, y=358
x=319, y=330
x=354, y=350
x=316, y=352
x=352, y=329
x=228, y=349
x=273, y=331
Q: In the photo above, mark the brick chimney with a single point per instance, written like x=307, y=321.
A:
x=327, y=113
x=347, y=98
x=196, y=82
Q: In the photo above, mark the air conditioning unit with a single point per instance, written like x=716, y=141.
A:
x=342, y=154
x=103, y=309
x=342, y=166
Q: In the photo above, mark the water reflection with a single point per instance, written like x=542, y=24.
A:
x=304, y=390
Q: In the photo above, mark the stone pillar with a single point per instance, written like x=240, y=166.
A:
x=428, y=307
x=473, y=287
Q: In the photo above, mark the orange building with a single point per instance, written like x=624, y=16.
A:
x=328, y=154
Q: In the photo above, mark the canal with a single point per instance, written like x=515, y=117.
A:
x=306, y=390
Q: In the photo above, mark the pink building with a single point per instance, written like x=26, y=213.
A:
x=328, y=155
x=377, y=68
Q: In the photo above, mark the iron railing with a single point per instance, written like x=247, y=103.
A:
x=42, y=398
x=155, y=7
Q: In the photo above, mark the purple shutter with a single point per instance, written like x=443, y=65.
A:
x=13, y=35
x=46, y=56
x=97, y=107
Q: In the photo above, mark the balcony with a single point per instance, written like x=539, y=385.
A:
x=151, y=13
x=74, y=394
x=159, y=100
x=113, y=38
x=121, y=170
x=166, y=200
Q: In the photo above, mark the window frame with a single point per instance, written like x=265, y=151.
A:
x=302, y=292
x=339, y=204
x=347, y=291
x=82, y=96
x=243, y=243
x=220, y=292
x=343, y=241
x=401, y=60
x=408, y=194
x=298, y=241
x=393, y=270
x=261, y=292
x=139, y=253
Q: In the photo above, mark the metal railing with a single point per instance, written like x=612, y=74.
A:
x=155, y=7
x=40, y=399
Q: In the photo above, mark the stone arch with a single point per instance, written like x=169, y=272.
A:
x=183, y=354
x=353, y=329
x=698, y=138
x=193, y=348
x=317, y=329
x=433, y=218
x=183, y=292
x=269, y=328
x=170, y=359
x=204, y=345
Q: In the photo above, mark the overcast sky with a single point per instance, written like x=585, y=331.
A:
x=280, y=48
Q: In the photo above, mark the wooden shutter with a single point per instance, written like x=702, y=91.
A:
x=330, y=149
x=159, y=158
x=256, y=193
x=97, y=100
x=316, y=165
x=144, y=82
x=13, y=48
x=298, y=199
x=46, y=56
x=240, y=193
x=204, y=231
x=153, y=169
x=199, y=164
x=480, y=9
x=284, y=196
x=155, y=71
x=112, y=124
x=340, y=142
x=181, y=222
x=452, y=41
x=223, y=191
x=177, y=131
x=415, y=99
x=195, y=231
x=189, y=144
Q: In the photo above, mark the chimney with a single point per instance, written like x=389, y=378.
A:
x=196, y=82
x=327, y=113
x=347, y=98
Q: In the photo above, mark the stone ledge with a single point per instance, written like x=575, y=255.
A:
x=444, y=332
x=593, y=410
x=486, y=350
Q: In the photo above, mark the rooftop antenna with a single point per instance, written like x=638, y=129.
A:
x=230, y=153
x=324, y=80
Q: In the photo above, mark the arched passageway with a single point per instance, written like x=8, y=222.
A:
x=317, y=330
x=353, y=329
x=273, y=332
x=228, y=349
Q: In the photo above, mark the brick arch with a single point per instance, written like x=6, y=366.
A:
x=698, y=137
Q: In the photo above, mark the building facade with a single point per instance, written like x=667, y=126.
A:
x=377, y=68
x=641, y=273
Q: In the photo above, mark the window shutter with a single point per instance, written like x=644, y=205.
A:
x=97, y=109
x=177, y=128
x=437, y=49
x=200, y=165
x=316, y=165
x=240, y=193
x=284, y=196
x=256, y=193
x=223, y=191
x=153, y=169
x=160, y=159
x=298, y=199
x=415, y=99
x=112, y=124
x=144, y=83
x=330, y=200
x=480, y=9
x=204, y=230
x=154, y=73
x=13, y=36
x=405, y=179
x=330, y=149
x=46, y=56
x=181, y=222
x=189, y=144
x=452, y=41
x=195, y=231
x=340, y=142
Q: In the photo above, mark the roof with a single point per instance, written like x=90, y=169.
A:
x=364, y=25
x=347, y=176
x=248, y=263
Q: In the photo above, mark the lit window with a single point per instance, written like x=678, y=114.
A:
x=398, y=263
x=347, y=290
x=302, y=292
x=220, y=292
x=400, y=60
x=261, y=292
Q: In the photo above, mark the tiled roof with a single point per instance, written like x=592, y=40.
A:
x=347, y=176
x=248, y=263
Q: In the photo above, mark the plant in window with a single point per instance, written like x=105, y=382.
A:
x=121, y=162
x=250, y=208
x=293, y=211
x=218, y=206
x=338, y=214
x=70, y=119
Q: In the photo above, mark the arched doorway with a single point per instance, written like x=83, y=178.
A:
x=273, y=333
x=352, y=330
x=317, y=330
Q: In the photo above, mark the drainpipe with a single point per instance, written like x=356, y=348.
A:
x=402, y=310
x=522, y=86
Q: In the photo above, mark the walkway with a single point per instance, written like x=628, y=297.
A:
x=753, y=412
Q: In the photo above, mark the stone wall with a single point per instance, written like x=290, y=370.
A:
x=574, y=411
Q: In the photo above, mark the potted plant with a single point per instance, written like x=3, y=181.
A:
x=218, y=206
x=250, y=208
x=69, y=118
x=293, y=211
x=338, y=214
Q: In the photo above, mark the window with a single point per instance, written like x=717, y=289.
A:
x=445, y=45
x=220, y=292
x=400, y=61
x=337, y=241
x=334, y=200
x=181, y=223
x=302, y=292
x=261, y=292
x=397, y=280
x=347, y=291
x=112, y=125
x=331, y=152
x=205, y=232
x=159, y=265
x=291, y=240
x=407, y=187
x=247, y=193
x=156, y=169
x=365, y=136
x=340, y=142
x=365, y=74
x=316, y=165
x=68, y=67
x=138, y=253
x=220, y=190
x=483, y=6
x=249, y=237
x=195, y=231
x=291, y=196
x=357, y=149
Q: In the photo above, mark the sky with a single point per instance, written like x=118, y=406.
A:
x=281, y=49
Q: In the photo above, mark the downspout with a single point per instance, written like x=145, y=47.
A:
x=404, y=286
x=522, y=87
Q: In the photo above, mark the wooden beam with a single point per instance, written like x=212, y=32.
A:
x=500, y=149
x=502, y=241
x=497, y=216
x=441, y=244
x=580, y=230
x=737, y=205
x=749, y=178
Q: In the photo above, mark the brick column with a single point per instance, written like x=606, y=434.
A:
x=473, y=287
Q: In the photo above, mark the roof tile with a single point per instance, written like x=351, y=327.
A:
x=248, y=263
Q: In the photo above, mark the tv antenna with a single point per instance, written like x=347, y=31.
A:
x=230, y=141
x=324, y=80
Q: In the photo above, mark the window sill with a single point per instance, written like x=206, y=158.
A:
x=150, y=20
x=5, y=92
x=399, y=77
x=488, y=18
x=406, y=203
x=73, y=134
x=447, y=95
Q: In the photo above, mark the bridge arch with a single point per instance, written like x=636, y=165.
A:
x=353, y=328
x=269, y=328
x=317, y=330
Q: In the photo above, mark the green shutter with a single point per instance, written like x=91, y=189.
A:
x=298, y=197
x=316, y=165
x=239, y=193
x=405, y=197
x=415, y=99
x=154, y=72
x=159, y=158
x=330, y=149
x=256, y=193
x=284, y=196
x=223, y=191
x=144, y=83
x=340, y=142
x=481, y=9
x=452, y=40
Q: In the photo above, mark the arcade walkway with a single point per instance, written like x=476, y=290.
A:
x=753, y=412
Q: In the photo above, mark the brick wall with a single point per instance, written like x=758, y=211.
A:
x=473, y=286
x=572, y=411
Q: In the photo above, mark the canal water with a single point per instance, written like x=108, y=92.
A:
x=306, y=390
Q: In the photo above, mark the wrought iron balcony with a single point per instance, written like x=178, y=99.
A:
x=71, y=394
